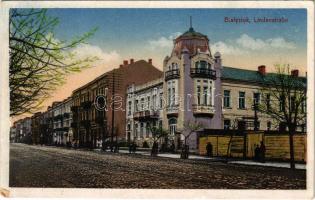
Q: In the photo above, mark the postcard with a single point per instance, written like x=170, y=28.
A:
x=157, y=99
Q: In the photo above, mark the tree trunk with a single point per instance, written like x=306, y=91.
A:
x=292, y=162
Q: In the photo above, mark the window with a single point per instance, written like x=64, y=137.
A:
x=227, y=99
x=169, y=97
x=161, y=100
x=129, y=108
x=201, y=64
x=241, y=100
x=148, y=103
x=147, y=129
x=137, y=106
x=256, y=98
x=268, y=126
x=142, y=104
x=198, y=94
x=268, y=101
x=205, y=95
x=227, y=124
x=173, y=96
x=172, y=125
x=154, y=102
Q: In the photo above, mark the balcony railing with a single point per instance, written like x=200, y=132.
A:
x=202, y=73
x=172, y=109
x=172, y=74
x=86, y=105
x=58, y=117
x=147, y=114
x=203, y=109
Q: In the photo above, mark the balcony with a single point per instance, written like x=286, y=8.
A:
x=85, y=123
x=172, y=110
x=146, y=115
x=203, y=109
x=58, y=117
x=66, y=115
x=202, y=73
x=171, y=74
x=86, y=105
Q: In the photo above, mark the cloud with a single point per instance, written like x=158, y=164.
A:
x=163, y=42
x=225, y=48
x=248, y=42
x=86, y=50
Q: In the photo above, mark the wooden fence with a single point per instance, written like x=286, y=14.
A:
x=277, y=145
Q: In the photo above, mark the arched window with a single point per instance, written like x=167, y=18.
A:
x=172, y=125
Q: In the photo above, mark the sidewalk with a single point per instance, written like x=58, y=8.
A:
x=268, y=164
x=240, y=162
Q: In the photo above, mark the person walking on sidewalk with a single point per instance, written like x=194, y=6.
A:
x=209, y=149
x=262, y=152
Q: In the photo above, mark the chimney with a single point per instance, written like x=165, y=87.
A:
x=120, y=66
x=150, y=61
x=295, y=72
x=131, y=61
x=125, y=62
x=262, y=69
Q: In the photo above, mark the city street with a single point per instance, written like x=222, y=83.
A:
x=42, y=166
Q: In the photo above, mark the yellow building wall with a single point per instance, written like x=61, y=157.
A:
x=277, y=146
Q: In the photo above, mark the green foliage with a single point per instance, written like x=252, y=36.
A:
x=39, y=62
x=158, y=132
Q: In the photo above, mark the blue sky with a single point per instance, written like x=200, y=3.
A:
x=137, y=32
x=133, y=26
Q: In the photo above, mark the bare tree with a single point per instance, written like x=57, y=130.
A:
x=39, y=62
x=188, y=130
x=284, y=99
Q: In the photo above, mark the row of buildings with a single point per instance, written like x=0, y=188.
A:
x=125, y=103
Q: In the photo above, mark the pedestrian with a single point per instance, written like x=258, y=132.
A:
x=134, y=147
x=257, y=151
x=130, y=147
x=209, y=149
x=262, y=151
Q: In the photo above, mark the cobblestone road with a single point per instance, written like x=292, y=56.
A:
x=36, y=166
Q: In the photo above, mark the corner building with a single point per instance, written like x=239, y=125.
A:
x=196, y=88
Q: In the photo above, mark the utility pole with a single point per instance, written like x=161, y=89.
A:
x=113, y=112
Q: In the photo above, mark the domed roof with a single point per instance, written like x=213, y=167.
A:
x=192, y=33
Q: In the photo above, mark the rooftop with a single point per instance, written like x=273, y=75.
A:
x=237, y=74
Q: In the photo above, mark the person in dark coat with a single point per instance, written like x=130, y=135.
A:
x=257, y=152
x=209, y=149
x=134, y=147
x=262, y=149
